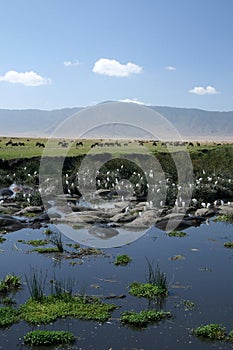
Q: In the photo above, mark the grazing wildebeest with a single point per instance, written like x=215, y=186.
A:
x=8, y=143
x=79, y=144
x=21, y=144
x=39, y=144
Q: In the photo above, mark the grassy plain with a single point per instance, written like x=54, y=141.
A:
x=55, y=147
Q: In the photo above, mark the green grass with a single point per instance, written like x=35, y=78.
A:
x=35, y=242
x=225, y=218
x=122, y=260
x=228, y=245
x=73, y=245
x=144, y=317
x=30, y=150
x=230, y=336
x=46, y=250
x=2, y=239
x=8, y=316
x=36, y=283
x=211, y=331
x=10, y=283
x=44, y=338
x=177, y=234
x=53, y=307
x=147, y=290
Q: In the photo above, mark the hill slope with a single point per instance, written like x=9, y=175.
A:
x=191, y=123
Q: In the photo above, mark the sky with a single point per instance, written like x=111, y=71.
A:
x=72, y=53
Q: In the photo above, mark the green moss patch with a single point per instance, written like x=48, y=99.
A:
x=53, y=307
x=211, y=331
x=46, y=250
x=35, y=242
x=225, y=218
x=147, y=290
x=122, y=260
x=228, y=245
x=144, y=317
x=175, y=233
x=8, y=316
x=40, y=338
x=10, y=283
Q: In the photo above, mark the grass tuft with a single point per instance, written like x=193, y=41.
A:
x=144, y=317
x=122, y=260
x=42, y=338
x=211, y=331
x=36, y=284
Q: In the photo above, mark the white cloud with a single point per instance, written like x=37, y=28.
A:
x=114, y=68
x=132, y=100
x=70, y=63
x=25, y=78
x=171, y=68
x=200, y=90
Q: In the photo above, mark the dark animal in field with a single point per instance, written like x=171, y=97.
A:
x=79, y=144
x=205, y=150
x=190, y=144
x=198, y=144
x=64, y=144
x=154, y=143
x=14, y=144
x=39, y=144
x=8, y=143
x=21, y=144
x=94, y=144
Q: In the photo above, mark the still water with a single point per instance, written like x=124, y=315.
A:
x=203, y=276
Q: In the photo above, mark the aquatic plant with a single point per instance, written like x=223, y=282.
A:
x=122, y=259
x=186, y=304
x=52, y=307
x=225, y=218
x=8, y=316
x=144, y=317
x=73, y=245
x=48, y=231
x=46, y=250
x=147, y=290
x=8, y=301
x=156, y=277
x=228, y=244
x=211, y=331
x=2, y=239
x=35, y=242
x=230, y=336
x=175, y=233
x=36, y=284
x=44, y=338
x=56, y=240
x=62, y=286
x=10, y=283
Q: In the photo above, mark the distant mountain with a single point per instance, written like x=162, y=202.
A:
x=199, y=123
x=32, y=122
x=193, y=124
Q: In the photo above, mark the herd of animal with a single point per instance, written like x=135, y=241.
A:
x=65, y=144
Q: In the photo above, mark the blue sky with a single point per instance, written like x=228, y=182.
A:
x=58, y=53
